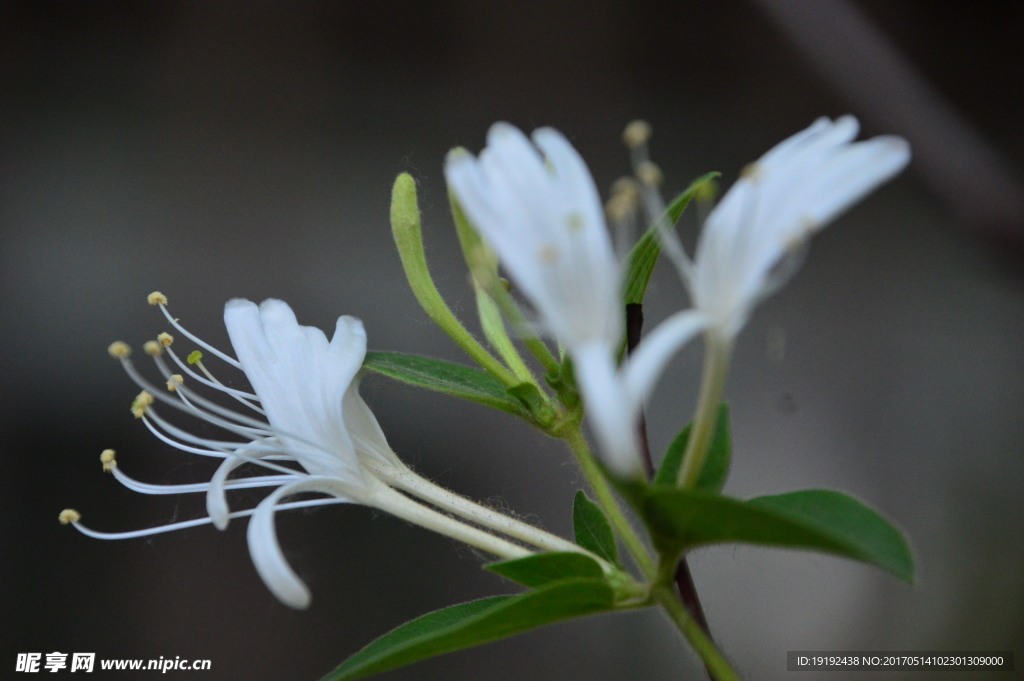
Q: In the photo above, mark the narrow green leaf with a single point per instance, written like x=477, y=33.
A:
x=471, y=624
x=716, y=465
x=669, y=469
x=644, y=255
x=820, y=520
x=592, y=529
x=446, y=377
x=542, y=568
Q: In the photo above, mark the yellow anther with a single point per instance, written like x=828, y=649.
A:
x=156, y=298
x=165, y=339
x=625, y=186
x=119, y=350
x=69, y=515
x=619, y=207
x=152, y=348
x=175, y=381
x=548, y=254
x=141, y=403
x=649, y=173
x=636, y=134
x=108, y=460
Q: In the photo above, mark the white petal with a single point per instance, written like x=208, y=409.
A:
x=301, y=380
x=265, y=550
x=643, y=368
x=543, y=218
x=793, y=190
x=362, y=425
x=216, y=500
x=610, y=413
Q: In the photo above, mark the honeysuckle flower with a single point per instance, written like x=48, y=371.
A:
x=753, y=238
x=531, y=209
x=543, y=217
x=311, y=432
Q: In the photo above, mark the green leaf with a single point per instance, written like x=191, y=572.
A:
x=474, y=623
x=865, y=534
x=644, y=255
x=533, y=401
x=716, y=465
x=542, y=568
x=592, y=529
x=820, y=520
x=446, y=377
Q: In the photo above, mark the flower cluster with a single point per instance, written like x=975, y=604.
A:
x=537, y=206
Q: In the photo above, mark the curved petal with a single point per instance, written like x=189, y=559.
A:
x=610, y=413
x=795, y=189
x=265, y=550
x=216, y=499
x=362, y=425
x=643, y=368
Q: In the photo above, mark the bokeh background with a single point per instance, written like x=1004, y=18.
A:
x=214, y=150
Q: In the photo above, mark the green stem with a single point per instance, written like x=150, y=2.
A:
x=716, y=363
x=606, y=498
x=716, y=664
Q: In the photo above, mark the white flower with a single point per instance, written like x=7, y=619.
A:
x=306, y=387
x=752, y=238
x=543, y=217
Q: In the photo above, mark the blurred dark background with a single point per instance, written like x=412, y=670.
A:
x=215, y=150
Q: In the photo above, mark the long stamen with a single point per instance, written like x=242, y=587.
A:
x=257, y=426
x=237, y=483
x=157, y=298
x=193, y=523
x=647, y=172
x=185, y=393
x=237, y=449
x=212, y=382
x=204, y=452
x=260, y=426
